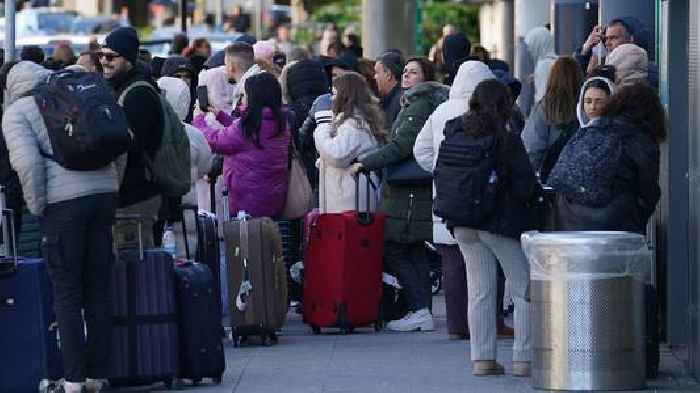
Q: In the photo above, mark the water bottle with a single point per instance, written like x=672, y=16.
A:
x=169, y=240
x=493, y=177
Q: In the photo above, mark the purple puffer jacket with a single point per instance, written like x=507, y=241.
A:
x=256, y=177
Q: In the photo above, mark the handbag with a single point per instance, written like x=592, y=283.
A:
x=299, y=193
x=407, y=173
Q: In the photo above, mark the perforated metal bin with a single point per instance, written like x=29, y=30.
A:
x=587, y=294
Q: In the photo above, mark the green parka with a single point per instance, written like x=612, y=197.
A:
x=408, y=209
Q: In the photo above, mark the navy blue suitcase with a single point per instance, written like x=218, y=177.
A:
x=30, y=358
x=201, y=347
x=144, y=318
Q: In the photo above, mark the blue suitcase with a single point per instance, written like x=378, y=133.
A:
x=144, y=317
x=30, y=356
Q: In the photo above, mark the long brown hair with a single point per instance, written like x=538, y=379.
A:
x=490, y=109
x=560, y=100
x=353, y=100
x=641, y=104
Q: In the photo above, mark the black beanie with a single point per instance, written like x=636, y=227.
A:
x=124, y=41
x=393, y=62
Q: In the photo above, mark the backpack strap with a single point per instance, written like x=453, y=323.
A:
x=133, y=86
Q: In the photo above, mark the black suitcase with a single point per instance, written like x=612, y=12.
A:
x=201, y=347
x=144, y=322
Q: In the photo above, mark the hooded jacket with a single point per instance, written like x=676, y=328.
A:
x=432, y=134
x=43, y=180
x=338, y=146
x=540, y=45
x=178, y=95
x=583, y=119
x=255, y=176
x=408, y=209
x=219, y=89
x=631, y=64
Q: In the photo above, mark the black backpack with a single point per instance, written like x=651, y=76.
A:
x=466, y=179
x=86, y=127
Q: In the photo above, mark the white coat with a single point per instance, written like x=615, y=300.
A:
x=540, y=44
x=338, y=146
x=427, y=145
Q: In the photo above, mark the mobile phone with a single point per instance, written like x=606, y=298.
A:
x=203, y=98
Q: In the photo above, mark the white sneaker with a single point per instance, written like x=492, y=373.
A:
x=420, y=320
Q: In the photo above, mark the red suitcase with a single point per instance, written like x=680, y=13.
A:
x=343, y=269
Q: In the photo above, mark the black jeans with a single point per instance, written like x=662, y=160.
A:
x=410, y=265
x=77, y=245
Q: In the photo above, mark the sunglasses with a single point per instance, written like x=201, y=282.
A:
x=109, y=56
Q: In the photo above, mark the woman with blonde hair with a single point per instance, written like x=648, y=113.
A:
x=353, y=127
x=555, y=116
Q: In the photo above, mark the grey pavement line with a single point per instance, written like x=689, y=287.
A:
x=243, y=369
x=330, y=362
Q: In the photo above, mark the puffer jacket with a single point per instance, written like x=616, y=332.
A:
x=629, y=174
x=307, y=146
x=220, y=91
x=338, y=146
x=43, y=181
x=428, y=142
x=256, y=176
x=408, y=209
x=540, y=44
x=177, y=93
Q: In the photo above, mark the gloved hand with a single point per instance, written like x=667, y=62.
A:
x=323, y=117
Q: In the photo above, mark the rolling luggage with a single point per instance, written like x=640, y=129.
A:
x=144, y=322
x=208, y=251
x=199, y=316
x=30, y=356
x=257, y=278
x=343, y=269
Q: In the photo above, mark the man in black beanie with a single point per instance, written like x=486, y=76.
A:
x=455, y=51
x=387, y=71
x=141, y=103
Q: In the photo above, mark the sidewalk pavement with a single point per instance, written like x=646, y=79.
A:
x=368, y=362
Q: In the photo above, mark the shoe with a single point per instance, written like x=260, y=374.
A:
x=482, y=368
x=420, y=320
x=95, y=385
x=71, y=387
x=521, y=369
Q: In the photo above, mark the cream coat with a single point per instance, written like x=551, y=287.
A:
x=338, y=146
x=427, y=144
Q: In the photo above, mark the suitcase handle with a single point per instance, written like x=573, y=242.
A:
x=9, y=238
x=139, y=219
x=366, y=217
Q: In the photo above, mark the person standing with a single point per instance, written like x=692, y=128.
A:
x=494, y=235
x=408, y=207
x=425, y=150
x=137, y=194
x=388, y=70
x=352, y=128
x=76, y=210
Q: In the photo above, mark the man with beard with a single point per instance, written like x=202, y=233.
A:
x=137, y=194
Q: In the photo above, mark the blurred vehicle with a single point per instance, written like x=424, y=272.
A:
x=94, y=25
x=44, y=21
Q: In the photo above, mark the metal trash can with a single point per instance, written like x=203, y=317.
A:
x=587, y=294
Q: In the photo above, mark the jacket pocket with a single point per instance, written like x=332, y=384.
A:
x=51, y=250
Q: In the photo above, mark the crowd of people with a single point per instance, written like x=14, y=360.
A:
x=580, y=153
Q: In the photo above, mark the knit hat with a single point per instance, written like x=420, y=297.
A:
x=124, y=41
x=393, y=62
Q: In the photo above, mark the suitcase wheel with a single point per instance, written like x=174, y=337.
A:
x=378, y=326
x=269, y=339
x=316, y=330
x=173, y=384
